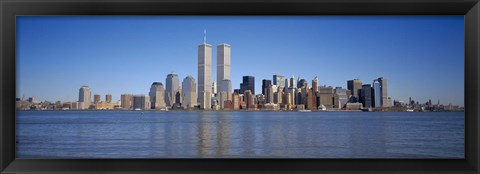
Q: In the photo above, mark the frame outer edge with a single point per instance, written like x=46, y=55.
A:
x=472, y=55
x=477, y=81
x=7, y=107
x=2, y=57
x=7, y=15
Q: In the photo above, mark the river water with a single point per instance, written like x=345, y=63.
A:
x=182, y=134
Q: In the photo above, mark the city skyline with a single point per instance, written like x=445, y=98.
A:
x=242, y=65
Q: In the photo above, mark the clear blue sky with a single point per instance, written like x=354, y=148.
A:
x=421, y=56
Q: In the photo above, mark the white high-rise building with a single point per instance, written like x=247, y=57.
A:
x=223, y=63
x=204, y=74
x=172, y=86
x=84, y=97
x=189, y=92
x=157, y=96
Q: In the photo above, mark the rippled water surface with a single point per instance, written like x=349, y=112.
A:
x=133, y=134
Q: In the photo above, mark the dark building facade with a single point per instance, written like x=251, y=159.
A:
x=248, y=83
x=355, y=86
x=265, y=84
x=366, y=96
x=301, y=83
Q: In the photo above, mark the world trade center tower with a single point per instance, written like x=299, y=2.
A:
x=204, y=74
x=223, y=64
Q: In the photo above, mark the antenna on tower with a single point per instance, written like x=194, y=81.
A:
x=204, y=36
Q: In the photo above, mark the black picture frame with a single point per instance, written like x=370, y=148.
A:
x=9, y=9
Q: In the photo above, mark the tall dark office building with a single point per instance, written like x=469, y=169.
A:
x=366, y=95
x=247, y=84
x=355, y=86
x=301, y=83
x=265, y=84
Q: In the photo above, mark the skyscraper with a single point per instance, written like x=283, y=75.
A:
x=291, y=95
x=189, y=92
x=127, y=101
x=301, y=83
x=226, y=86
x=172, y=85
x=315, y=85
x=248, y=83
x=222, y=98
x=265, y=84
x=286, y=86
x=84, y=97
x=383, y=87
x=377, y=94
x=278, y=96
x=355, y=86
x=269, y=93
x=326, y=96
x=178, y=97
x=141, y=102
x=279, y=81
x=108, y=98
x=342, y=97
x=204, y=74
x=225, y=92
x=249, y=99
x=236, y=101
x=385, y=102
x=292, y=92
x=311, y=102
x=292, y=82
x=223, y=63
x=366, y=95
x=96, y=98
x=157, y=96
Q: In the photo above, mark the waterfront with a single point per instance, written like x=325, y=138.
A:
x=151, y=134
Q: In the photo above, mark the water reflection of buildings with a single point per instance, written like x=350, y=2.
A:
x=204, y=135
x=247, y=135
x=172, y=136
x=223, y=133
x=213, y=134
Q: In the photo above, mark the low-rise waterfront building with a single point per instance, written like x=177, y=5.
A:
x=101, y=105
x=353, y=106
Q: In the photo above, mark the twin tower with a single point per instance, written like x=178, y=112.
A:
x=205, y=72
